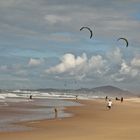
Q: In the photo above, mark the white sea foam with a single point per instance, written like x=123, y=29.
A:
x=69, y=96
x=8, y=95
x=11, y=95
x=52, y=95
x=2, y=96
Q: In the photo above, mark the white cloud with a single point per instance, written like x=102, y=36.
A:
x=130, y=69
x=35, y=62
x=135, y=62
x=127, y=71
x=53, y=19
x=97, y=64
x=68, y=62
x=80, y=66
x=115, y=56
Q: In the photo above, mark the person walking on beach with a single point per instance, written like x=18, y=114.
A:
x=109, y=104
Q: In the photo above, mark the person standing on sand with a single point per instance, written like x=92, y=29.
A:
x=76, y=97
x=31, y=96
x=106, y=98
x=121, y=99
x=109, y=104
x=55, y=110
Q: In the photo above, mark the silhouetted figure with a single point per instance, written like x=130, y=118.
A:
x=121, y=99
x=76, y=97
x=31, y=96
x=55, y=110
x=117, y=99
x=106, y=98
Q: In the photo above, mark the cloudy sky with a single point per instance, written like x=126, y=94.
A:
x=41, y=45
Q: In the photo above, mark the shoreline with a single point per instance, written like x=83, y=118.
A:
x=90, y=121
x=66, y=109
x=30, y=112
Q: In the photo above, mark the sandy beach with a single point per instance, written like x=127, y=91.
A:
x=92, y=121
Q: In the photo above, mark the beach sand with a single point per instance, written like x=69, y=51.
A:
x=92, y=121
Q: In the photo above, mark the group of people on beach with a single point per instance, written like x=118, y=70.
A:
x=109, y=103
x=117, y=99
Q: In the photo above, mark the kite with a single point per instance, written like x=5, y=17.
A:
x=124, y=40
x=87, y=29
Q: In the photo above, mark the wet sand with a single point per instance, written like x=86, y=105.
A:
x=90, y=122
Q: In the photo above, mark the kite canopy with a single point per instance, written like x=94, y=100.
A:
x=88, y=30
x=124, y=40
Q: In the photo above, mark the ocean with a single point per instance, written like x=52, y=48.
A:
x=16, y=106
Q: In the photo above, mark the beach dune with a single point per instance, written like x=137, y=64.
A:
x=91, y=121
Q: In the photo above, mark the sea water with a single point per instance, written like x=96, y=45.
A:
x=16, y=106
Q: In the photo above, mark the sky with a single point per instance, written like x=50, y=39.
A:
x=41, y=45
